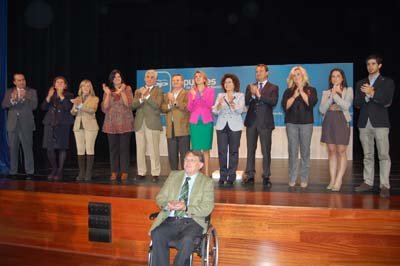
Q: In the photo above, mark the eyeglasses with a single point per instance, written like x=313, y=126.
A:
x=191, y=160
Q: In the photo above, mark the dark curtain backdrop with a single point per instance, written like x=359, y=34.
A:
x=4, y=154
x=87, y=39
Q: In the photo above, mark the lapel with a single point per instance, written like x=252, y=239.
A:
x=153, y=91
x=196, y=187
x=180, y=97
x=88, y=100
x=377, y=82
x=176, y=187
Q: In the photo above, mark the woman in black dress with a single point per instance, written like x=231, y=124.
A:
x=57, y=124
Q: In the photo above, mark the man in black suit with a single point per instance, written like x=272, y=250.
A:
x=260, y=99
x=373, y=96
x=20, y=102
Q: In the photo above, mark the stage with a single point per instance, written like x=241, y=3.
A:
x=46, y=223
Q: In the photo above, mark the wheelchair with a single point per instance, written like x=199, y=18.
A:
x=206, y=245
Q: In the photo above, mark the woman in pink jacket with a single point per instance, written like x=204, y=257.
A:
x=200, y=102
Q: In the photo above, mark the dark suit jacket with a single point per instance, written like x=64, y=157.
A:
x=58, y=112
x=21, y=113
x=376, y=109
x=260, y=109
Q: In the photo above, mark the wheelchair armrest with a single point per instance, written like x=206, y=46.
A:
x=208, y=219
x=153, y=215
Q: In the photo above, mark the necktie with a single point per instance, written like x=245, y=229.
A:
x=260, y=86
x=183, y=196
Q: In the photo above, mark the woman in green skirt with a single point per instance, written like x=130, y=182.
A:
x=200, y=102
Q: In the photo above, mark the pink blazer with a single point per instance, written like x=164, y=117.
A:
x=201, y=106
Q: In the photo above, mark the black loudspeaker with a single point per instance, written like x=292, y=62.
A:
x=99, y=222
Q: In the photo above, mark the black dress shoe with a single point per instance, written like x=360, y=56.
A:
x=154, y=179
x=229, y=183
x=29, y=177
x=221, y=182
x=248, y=181
x=139, y=177
x=266, y=183
x=12, y=176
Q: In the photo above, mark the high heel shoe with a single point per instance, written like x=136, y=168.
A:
x=331, y=184
x=337, y=186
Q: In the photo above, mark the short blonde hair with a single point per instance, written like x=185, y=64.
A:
x=203, y=74
x=83, y=83
x=290, y=81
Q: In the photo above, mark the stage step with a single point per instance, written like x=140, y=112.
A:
x=249, y=233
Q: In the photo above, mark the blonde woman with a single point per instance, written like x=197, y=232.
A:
x=85, y=128
x=298, y=102
x=335, y=104
x=200, y=102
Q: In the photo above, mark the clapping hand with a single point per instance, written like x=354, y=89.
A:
x=22, y=93
x=77, y=100
x=171, y=98
x=106, y=89
x=14, y=95
x=368, y=89
x=176, y=205
x=120, y=89
x=51, y=92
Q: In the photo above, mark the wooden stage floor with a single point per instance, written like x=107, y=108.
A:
x=314, y=196
x=45, y=223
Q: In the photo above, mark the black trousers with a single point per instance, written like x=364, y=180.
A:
x=177, y=147
x=183, y=232
x=226, y=138
x=252, y=134
x=119, y=146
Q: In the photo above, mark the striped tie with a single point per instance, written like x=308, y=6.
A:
x=183, y=196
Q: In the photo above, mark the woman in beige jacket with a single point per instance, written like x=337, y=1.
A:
x=85, y=128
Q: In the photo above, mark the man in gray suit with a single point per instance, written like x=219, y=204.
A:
x=185, y=200
x=20, y=102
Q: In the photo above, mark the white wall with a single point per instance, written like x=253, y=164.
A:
x=279, y=145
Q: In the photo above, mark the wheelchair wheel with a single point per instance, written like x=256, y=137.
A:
x=210, y=248
x=150, y=255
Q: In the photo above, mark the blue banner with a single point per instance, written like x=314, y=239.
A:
x=278, y=74
x=4, y=154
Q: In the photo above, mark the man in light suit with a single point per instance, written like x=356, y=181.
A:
x=20, y=102
x=373, y=96
x=260, y=98
x=180, y=221
x=147, y=102
x=178, y=138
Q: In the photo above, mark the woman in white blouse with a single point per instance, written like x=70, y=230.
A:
x=229, y=108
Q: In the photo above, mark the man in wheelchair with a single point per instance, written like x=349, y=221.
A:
x=185, y=200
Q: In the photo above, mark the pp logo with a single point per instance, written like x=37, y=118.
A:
x=164, y=80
